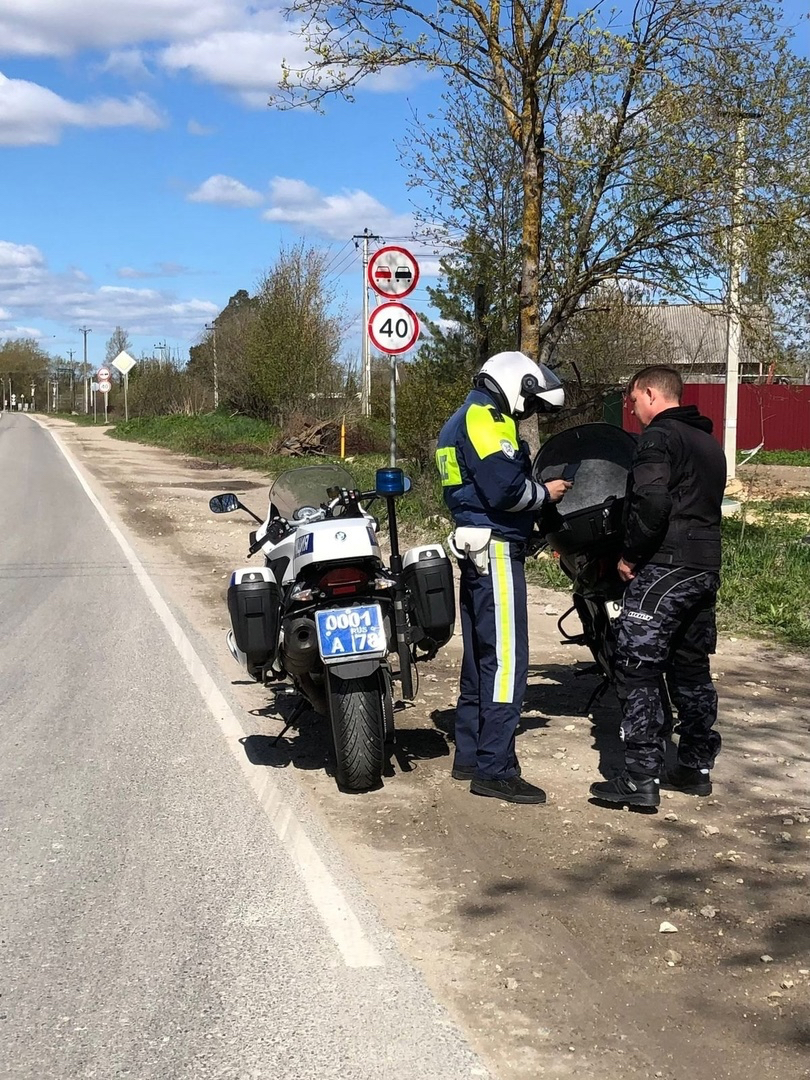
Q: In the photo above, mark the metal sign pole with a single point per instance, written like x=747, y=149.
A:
x=126, y=402
x=393, y=409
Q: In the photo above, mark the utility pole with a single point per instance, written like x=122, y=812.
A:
x=212, y=326
x=734, y=334
x=85, y=330
x=365, y=384
x=163, y=347
x=71, y=353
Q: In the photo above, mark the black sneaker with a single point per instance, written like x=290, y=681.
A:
x=515, y=789
x=628, y=790
x=688, y=781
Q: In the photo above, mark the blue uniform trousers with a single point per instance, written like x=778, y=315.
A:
x=495, y=666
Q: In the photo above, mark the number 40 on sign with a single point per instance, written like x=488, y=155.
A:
x=393, y=328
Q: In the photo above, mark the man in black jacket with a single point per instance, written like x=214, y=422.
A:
x=671, y=564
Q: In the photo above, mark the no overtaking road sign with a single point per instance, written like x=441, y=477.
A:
x=393, y=272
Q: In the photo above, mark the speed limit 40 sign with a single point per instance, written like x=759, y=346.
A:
x=393, y=328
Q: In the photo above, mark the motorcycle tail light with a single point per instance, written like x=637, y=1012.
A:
x=344, y=581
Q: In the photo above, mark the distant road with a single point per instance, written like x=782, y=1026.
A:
x=158, y=919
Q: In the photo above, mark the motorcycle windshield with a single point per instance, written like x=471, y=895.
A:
x=307, y=487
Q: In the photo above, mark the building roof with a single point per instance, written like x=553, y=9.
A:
x=698, y=335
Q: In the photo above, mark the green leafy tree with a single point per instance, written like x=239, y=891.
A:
x=161, y=387
x=228, y=336
x=293, y=345
x=623, y=122
x=24, y=364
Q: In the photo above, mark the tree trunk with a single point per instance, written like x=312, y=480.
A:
x=530, y=277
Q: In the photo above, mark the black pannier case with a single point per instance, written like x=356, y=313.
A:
x=428, y=577
x=254, y=603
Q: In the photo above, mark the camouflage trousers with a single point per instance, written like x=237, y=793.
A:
x=666, y=633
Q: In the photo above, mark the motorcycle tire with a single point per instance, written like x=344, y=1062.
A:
x=358, y=729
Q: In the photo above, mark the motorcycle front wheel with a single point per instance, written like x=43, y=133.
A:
x=357, y=713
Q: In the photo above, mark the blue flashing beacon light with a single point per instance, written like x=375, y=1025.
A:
x=390, y=482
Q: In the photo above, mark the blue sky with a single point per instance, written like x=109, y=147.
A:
x=144, y=179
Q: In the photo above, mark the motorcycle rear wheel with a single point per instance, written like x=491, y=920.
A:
x=356, y=711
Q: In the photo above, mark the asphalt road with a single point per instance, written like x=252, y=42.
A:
x=154, y=922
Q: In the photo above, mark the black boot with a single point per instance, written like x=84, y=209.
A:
x=688, y=781
x=628, y=790
x=515, y=789
x=467, y=772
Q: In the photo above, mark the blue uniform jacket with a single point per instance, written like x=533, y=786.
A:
x=486, y=470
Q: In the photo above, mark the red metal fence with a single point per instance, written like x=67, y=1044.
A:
x=776, y=413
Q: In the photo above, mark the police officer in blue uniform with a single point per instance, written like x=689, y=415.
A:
x=671, y=563
x=489, y=490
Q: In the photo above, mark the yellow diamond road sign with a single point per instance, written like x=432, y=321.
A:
x=123, y=363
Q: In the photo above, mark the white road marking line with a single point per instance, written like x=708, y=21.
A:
x=328, y=899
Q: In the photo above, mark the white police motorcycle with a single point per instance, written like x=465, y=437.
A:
x=327, y=612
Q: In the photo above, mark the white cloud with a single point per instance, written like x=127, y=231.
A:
x=246, y=61
x=15, y=258
x=193, y=127
x=429, y=267
x=238, y=45
x=14, y=332
x=225, y=191
x=63, y=27
x=30, y=290
x=164, y=269
x=127, y=64
x=31, y=114
x=294, y=202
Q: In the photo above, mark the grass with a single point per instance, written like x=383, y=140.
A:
x=779, y=457
x=545, y=571
x=766, y=572
x=239, y=440
x=766, y=575
x=85, y=420
x=233, y=440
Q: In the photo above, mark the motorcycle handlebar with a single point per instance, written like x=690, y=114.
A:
x=342, y=499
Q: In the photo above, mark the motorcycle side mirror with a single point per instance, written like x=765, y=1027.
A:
x=223, y=504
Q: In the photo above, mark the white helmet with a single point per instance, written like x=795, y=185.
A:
x=520, y=386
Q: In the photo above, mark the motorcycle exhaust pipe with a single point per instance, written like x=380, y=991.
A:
x=300, y=645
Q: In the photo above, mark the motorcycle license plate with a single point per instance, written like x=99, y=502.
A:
x=351, y=631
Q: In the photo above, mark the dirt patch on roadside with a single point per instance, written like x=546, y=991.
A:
x=773, y=481
x=540, y=926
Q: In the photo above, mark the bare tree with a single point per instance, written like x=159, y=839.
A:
x=117, y=342
x=624, y=124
